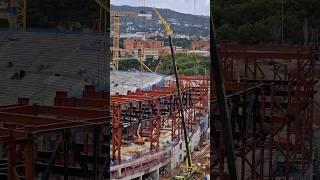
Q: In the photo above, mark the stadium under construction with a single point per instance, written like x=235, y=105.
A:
x=271, y=109
x=54, y=112
x=55, y=121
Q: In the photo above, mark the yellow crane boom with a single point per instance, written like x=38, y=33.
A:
x=166, y=25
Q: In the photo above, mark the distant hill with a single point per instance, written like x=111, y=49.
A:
x=181, y=23
x=260, y=21
x=51, y=13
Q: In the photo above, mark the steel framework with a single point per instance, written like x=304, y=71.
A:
x=155, y=107
x=272, y=117
x=25, y=131
x=271, y=112
x=152, y=109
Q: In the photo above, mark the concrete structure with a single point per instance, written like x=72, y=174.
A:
x=168, y=158
x=154, y=53
x=163, y=146
x=150, y=48
x=49, y=62
x=131, y=44
x=201, y=45
x=199, y=53
x=122, y=81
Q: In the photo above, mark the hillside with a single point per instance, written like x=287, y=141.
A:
x=260, y=21
x=180, y=23
x=51, y=13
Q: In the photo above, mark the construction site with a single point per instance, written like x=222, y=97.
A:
x=55, y=101
x=156, y=125
x=61, y=117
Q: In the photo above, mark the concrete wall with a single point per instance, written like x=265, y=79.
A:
x=178, y=150
x=175, y=158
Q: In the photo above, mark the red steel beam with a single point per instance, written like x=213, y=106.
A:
x=55, y=111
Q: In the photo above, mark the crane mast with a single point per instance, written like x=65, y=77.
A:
x=15, y=11
x=116, y=33
x=116, y=15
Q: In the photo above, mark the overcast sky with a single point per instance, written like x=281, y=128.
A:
x=185, y=6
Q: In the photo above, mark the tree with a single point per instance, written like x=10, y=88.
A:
x=260, y=21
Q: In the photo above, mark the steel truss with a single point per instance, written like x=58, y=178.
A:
x=155, y=109
x=24, y=133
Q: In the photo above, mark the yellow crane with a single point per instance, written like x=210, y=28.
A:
x=22, y=15
x=116, y=32
x=189, y=174
x=15, y=11
x=159, y=64
x=116, y=15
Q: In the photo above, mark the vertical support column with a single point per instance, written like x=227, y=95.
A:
x=30, y=159
x=23, y=101
x=116, y=39
x=287, y=152
x=262, y=163
x=25, y=7
x=246, y=67
x=255, y=69
x=96, y=151
x=270, y=143
x=21, y=17
x=253, y=160
x=11, y=153
x=313, y=58
x=100, y=19
x=155, y=129
x=243, y=162
x=66, y=153
x=116, y=131
x=190, y=108
x=190, y=116
x=59, y=100
x=261, y=125
x=13, y=15
x=89, y=91
x=175, y=119
x=176, y=127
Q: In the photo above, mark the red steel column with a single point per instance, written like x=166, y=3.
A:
x=116, y=131
x=30, y=158
x=11, y=151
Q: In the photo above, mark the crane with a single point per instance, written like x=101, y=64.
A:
x=189, y=174
x=116, y=15
x=158, y=65
x=15, y=11
x=218, y=80
x=116, y=31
